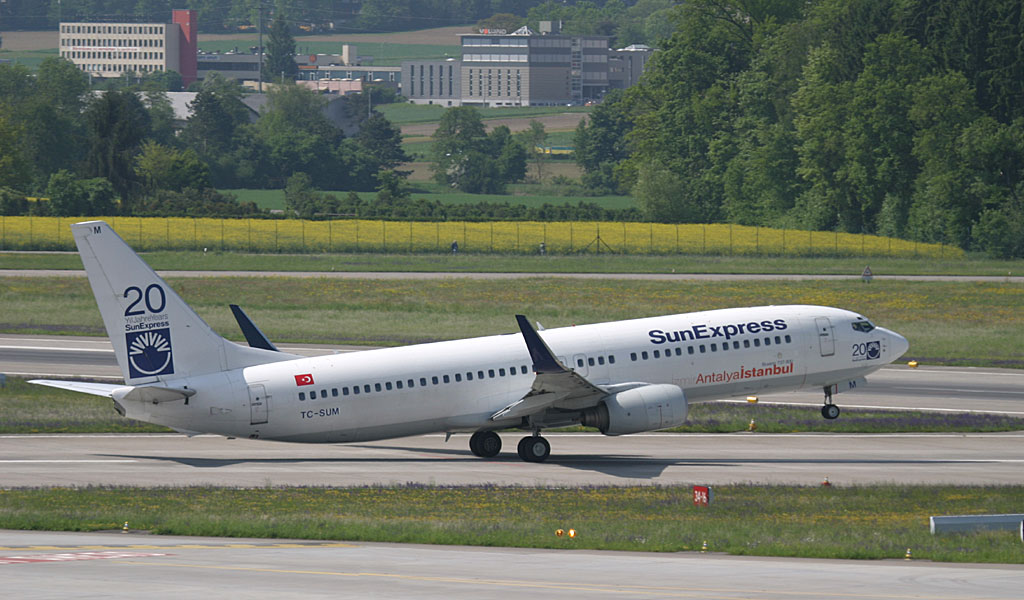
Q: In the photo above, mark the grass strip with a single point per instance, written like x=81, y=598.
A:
x=497, y=263
x=857, y=522
x=26, y=408
x=962, y=323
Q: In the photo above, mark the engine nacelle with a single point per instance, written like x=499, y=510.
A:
x=640, y=409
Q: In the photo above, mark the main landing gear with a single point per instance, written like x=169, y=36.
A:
x=829, y=411
x=534, y=448
x=487, y=444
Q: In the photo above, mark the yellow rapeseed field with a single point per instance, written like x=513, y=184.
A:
x=526, y=237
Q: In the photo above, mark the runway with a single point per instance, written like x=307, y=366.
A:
x=576, y=460
x=74, y=565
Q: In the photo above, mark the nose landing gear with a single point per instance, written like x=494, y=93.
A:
x=829, y=411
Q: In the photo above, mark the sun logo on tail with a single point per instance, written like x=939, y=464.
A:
x=149, y=353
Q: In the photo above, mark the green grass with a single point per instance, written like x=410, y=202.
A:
x=384, y=54
x=988, y=316
x=27, y=408
x=869, y=522
x=498, y=263
x=29, y=58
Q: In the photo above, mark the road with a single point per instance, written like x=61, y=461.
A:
x=97, y=565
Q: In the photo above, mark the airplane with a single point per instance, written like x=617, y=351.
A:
x=620, y=377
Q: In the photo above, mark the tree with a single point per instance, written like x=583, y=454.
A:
x=383, y=141
x=164, y=168
x=304, y=200
x=14, y=171
x=279, y=62
x=458, y=133
x=533, y=138
x=67, y=195
x=117, y=126
x=468, y=159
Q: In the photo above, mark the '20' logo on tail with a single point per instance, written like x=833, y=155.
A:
x=149, y=353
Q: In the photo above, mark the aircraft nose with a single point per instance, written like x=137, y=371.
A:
x=898, y=344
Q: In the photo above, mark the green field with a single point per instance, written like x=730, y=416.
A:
x=870, y=522
x=29, y=58
x=988, y=316
x=401, y=113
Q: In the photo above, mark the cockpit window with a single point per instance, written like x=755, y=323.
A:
x=862, y=326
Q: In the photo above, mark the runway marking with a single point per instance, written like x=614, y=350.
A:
x=113, y=547
x=56, y=460
x=73, y=556
x=636, y=590
x=56, y=348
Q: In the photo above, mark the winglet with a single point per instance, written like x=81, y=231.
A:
x=252, y=333
x=544, y=360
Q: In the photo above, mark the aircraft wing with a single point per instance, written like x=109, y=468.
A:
x=554, y=385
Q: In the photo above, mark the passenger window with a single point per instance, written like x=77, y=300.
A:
x=632, y=356
x=501, y=372
x=725, y=346
x=302, y=395
x=788, y=339
x=703, y=349
x=490, y=373
x=689, y=349
x=312, y=395
x=376, y=387
x=590, y=361
x=387, y=385
x=657, y=354
x=746, y=343
x=579, y=362
x=611, y=359
x=458, y=377
x=469, y=376
x=434, y=379
x=344, y=391
x=757, y=342
x=523, y=369
x=767, y=341
x=334, y=392
x=355, y=390
x=714, y=347
x=679, y=351
x=643, y=355
x=411, y=383
x=366, y=388
x=398, y=384
x=778, y=340
x=600, y=360
x=735, y=345
x=479, y=374
x=447, y=379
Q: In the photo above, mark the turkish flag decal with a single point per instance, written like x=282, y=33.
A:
x=306, y=379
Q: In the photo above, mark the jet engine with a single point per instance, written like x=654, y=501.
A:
x=640, y=409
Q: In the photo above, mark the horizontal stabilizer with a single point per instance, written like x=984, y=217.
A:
x=85, y=387
x=152, y=394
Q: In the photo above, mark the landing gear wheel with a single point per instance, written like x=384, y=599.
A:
x=830, y=411
x=534, y=449
x=485, y=444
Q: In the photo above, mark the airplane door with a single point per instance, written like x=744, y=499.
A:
x=259, y=402
x=826, y=337
x=579, y=364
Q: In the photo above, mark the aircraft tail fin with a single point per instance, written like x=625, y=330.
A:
x=155, y=334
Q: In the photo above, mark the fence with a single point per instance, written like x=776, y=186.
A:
x=508, y=237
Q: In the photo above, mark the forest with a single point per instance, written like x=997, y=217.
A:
x=893, y=117
x=897, y=117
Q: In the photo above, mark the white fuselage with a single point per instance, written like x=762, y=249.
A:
x=458, y=385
